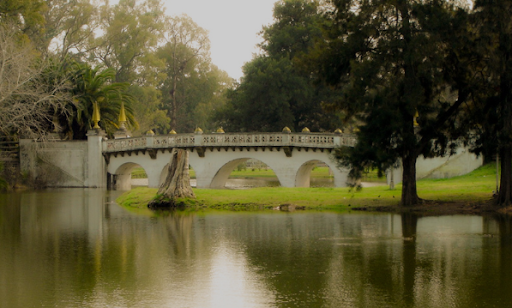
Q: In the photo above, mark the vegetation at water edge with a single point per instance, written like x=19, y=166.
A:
x=475, y=187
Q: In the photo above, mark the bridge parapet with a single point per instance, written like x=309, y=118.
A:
x=306, y=140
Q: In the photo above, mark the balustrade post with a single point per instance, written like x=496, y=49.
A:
x=286, y=139
x=337, y=141
x=150, y=137
x=198, y=140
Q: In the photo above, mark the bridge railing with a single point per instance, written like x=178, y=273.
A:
x=310, y=140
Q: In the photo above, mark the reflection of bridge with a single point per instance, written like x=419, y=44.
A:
x=213, y=156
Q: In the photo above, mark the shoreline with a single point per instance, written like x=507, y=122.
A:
x=273, y=200
x=442, y=208
x=470, y=194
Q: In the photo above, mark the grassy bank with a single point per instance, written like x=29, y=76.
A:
x=249, y=173
x=475, y=187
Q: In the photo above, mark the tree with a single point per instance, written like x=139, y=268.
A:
x=28, y=95
x=69, y=28
x=177, y=181
x=147, y=109
x=186, y=52
x=131, y=31
x=278, y=88
x=95, y=86
x=493, y=24
x=23, y=15
x=394, y=65
x=210, y=94
x=262, y=102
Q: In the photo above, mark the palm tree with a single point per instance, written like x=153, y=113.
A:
x=91, y=86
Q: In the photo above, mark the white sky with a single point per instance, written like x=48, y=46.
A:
x=233, y=27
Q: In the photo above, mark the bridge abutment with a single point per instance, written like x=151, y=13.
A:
x=96, y=167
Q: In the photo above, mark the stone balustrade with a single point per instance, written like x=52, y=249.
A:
x=301, y=140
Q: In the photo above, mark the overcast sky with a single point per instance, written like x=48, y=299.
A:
x=233, y=27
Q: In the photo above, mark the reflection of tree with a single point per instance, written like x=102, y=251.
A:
x=302, y=259
x=288, y=255
x=57, y=246
x=409, y=225
x=505, y=258
x=179, y=229
x=9, y=215
x=367, y=263
x=332, y=260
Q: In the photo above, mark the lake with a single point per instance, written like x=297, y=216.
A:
x=78, y=248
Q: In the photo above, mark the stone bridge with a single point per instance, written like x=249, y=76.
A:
x=291, y=156
x=99, y=162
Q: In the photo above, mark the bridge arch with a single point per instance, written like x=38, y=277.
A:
x=220, y=178
x=120, y=167
x=123, y=174
x=303, y=176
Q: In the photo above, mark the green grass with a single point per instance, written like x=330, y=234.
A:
x=137, y=199
x=477, y=185
x=474, y=187
x=139, y=173
x=317, y=172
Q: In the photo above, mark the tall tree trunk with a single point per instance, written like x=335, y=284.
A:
x=505, y=48
x=174, y=108
x=505, y=193
x=409, y=190
x=177, y=181
x=411, y=87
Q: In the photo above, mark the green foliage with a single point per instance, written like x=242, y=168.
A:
x=159, y=64
x=95, y=85
x=263, y=101
x=241, y=167
x=139, y=173
x=193, y=87
x=131, y=30
x=26, y=15
x=29, y=89
x=491, y=21
x=391, y=60
x=147, y=111
x=277, y=89
x=70, y=26
x=162, y=198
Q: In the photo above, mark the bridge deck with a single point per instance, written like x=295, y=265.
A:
x=304, y=140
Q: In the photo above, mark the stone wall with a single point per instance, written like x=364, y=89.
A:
x=54, y=163
x=460, y=163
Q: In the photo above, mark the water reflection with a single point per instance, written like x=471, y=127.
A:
x=74, y=248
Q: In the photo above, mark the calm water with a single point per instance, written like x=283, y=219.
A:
x=76, y=248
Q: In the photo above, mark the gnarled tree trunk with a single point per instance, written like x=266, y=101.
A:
x=177, y=182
